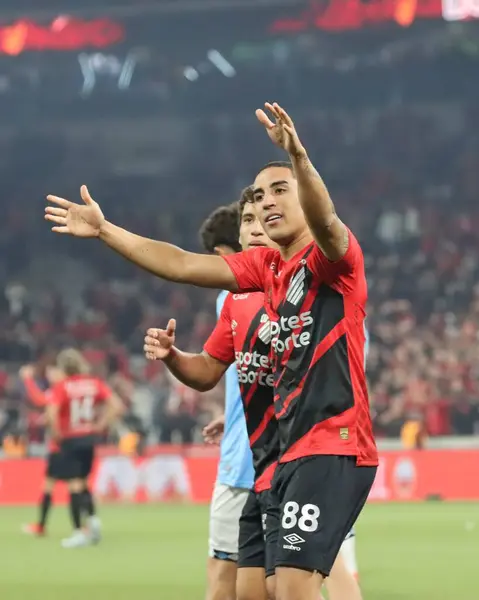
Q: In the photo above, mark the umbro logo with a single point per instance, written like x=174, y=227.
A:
x=234, y=325
x=293, y=539
x=296, y=287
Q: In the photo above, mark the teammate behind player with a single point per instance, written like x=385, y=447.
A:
x=220, y=235
x=241, y=335
x=315, y=292
x=81, y=407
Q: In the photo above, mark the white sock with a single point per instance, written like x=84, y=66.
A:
x=348, y=551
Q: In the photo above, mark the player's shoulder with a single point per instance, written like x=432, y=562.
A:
x=262, y=255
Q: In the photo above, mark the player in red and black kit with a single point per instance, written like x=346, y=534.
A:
x=315, y=294
x=80, y=408
x=37, y=379
x=241, y=336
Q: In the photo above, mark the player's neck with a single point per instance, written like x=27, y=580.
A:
x=300, y=242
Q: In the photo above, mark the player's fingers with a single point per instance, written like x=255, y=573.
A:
x=152, y=342
x=264, y=119
x=147, y=349
x=55, y=219
x=85, y=195
x=171, y=327
x=55, y=210
x=150, y=356
x=152, y=332
x=63, y=229
x=283, y=115
x=273, y=109
x=59, y=201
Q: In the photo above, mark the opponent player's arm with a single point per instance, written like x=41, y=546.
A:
x=198, y=371
x=330, y=233
x=168, y=261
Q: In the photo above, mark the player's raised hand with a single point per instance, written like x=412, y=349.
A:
x=81, y=220
x=281, y=129
x=27, y=372
x=213, y=432
x=159, y=342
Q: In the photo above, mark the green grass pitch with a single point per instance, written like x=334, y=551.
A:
x=424, y=551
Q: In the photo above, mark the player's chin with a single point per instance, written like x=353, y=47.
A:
x=278, y=233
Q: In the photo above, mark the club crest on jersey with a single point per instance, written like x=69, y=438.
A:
x=234, y=325
x=296, y=287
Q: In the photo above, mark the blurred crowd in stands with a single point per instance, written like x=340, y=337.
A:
x=405, y=179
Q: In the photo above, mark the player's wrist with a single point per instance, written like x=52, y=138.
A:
x=105, y=230
x=169, y=359
x=298, y=153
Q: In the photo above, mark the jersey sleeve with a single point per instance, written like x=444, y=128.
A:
x=249, y=268
x=344, y=269
x=220, y=344
x=35, y=394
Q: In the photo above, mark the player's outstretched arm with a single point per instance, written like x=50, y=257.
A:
x=164, y=260
x=329, y=232
x=198, y=371
x=35, y=394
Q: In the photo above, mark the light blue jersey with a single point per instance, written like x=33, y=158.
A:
x=236, y=461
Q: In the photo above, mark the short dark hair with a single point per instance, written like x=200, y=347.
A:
x=221, y=228
x=277, y=163
x=246, y=196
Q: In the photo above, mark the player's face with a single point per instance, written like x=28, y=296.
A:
x=275, y=193
x=251, y=232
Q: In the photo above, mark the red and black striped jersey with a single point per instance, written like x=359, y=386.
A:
x=317, y=312
x=242, y=335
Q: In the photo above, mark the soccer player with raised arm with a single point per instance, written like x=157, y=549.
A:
x=241, y=337
x=36, y=382
x=315, y=296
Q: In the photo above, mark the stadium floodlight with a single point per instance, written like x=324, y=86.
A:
x=220, y=62
x=190, y=73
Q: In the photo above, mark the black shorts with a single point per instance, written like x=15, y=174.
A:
x=255, y=522
x=78, y=455
x=55, y=465
x=318, y=499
